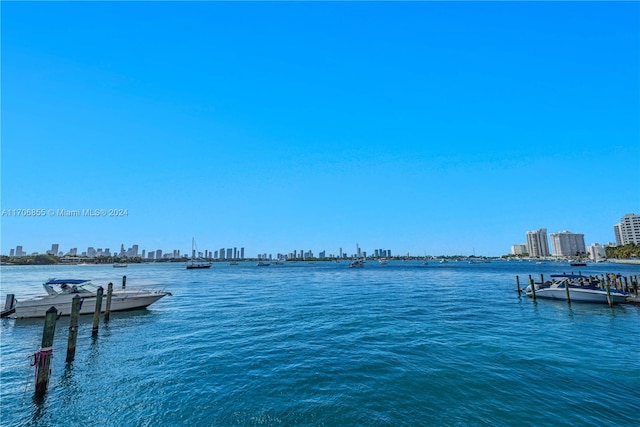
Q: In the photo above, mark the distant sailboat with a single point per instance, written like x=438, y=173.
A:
x=194, y=262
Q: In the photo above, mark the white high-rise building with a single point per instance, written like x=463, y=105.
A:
x=537, y=243
x=519, y=249
x=597, y=252
x=628, y=230
x=567, y=244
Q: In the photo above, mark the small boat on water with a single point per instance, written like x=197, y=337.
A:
x=119, y=265
x=581, y=288
x=60, y=294
x=196, y=263
x=357, y=263
x=383, y=261
x=262, y=264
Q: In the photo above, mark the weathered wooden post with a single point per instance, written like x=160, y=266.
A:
x=609, y=296
x=541, y=278
x=635, y=286
x=9, y=302
x=566, y=288
x=42, y=360
x=107, y=312
x=518, y=284
x=96, y=313
x=124, y=282
x=533, y=287
x=73, y=328
x=626, y=285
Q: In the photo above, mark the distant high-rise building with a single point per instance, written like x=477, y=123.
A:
x=537, y=243
x=519, y=249
x=229, y=253
x=628, y=230
x=122, y=249
x=158, y=253
x=12, y=252
x=566, y=243
x=19, y=251
x=597, y=252
x=241, y=253
x=54, y=249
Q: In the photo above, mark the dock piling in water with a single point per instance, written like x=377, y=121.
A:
x=73, y=329
x=42, y=360
x=124, y=282
x=518, y=285
x=107, y=312
x=96, y=313
x=609, y=296
x=533, y=287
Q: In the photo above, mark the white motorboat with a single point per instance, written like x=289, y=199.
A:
x=581, y=288
x=263, y=264
x=383, y=261
x=60, y=294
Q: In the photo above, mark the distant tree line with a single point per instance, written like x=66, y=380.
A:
x=632, y=250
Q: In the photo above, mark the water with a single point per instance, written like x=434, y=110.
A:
x=320, y=344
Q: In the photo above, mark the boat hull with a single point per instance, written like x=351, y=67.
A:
x=37, y=307
x=580, y=295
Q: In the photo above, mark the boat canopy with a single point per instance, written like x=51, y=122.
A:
x=67, y=281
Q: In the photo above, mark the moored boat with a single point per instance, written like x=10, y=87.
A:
x=581, y=288
x=60, y=294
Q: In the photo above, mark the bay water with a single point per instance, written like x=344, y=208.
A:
x=319, y=344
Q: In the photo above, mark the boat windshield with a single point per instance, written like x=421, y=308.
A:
x=78, y=288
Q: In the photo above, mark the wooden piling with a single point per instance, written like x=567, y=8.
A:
x=609, y=296
x=518, y=285
x=73, y=328
x=541, y=279
x=107, y=312
x=533, y=287
x=635, y=286
x=9, y=302
x=626, y=285
x=42, y=360
x=566, y=288
x=96, y=313
x=124, y=282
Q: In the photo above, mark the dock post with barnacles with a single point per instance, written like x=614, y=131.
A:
x=42, y=360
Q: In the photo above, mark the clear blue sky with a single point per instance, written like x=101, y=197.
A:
x=422, y=127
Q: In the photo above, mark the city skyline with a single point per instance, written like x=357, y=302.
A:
x=427, y=127
x=537, y=246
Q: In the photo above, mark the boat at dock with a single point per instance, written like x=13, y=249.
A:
x=60, y=294
x=581, y=288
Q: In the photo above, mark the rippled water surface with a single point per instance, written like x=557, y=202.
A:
x=322, y=344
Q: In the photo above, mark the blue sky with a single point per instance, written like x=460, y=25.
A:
x=422, y=127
